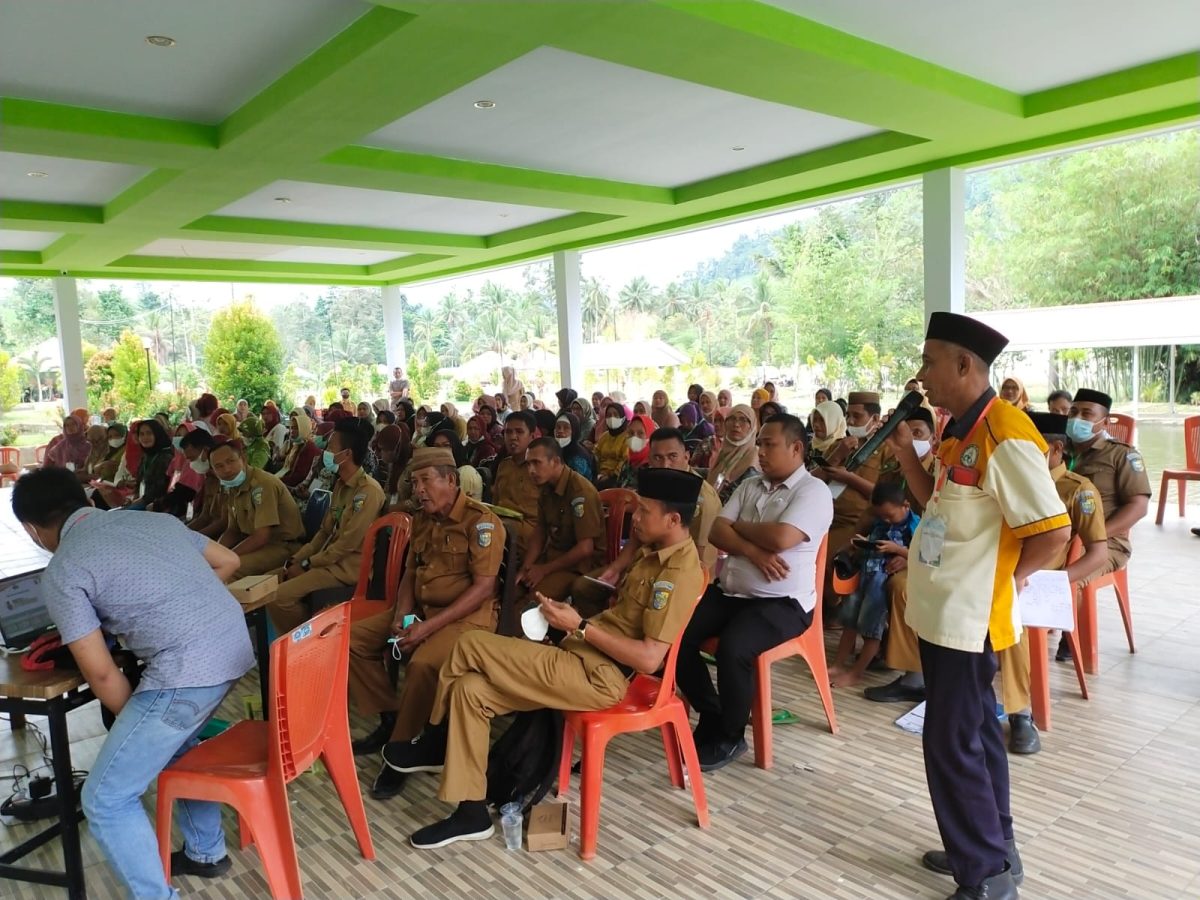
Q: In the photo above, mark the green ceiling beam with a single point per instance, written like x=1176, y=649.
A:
x=391, y=266
x=559, y=226
x=238, y=266
x=277, y=231
x=28, y=215
x=179, y=275
x=1183, y=69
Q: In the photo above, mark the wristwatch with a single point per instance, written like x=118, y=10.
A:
x=580, y=629
x=305, y=564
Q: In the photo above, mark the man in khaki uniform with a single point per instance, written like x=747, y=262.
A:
x=334, y=555
x=449, y=584
x=1082, y=501
x=513, y=488
x=488, y=675
x=667, y=451
x=264, y=526
x=568, y=539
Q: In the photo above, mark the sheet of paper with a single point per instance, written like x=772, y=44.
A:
x=1047, y=601
x=913, y=721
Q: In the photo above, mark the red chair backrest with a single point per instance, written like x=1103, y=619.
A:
x=1122, y=428
x=401, y=525
x=618, y=503
x=10, y=456
x=667, y=689
x=309, y=668
x=39, y=453
x=1191, y=441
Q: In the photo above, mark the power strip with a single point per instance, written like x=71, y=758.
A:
x=27, y=809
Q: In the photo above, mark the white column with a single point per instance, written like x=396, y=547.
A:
x=570, y=319
x=70, y=344
x=944, y=212
x=1171, y=379
x=1137, y=380
x=393, y=328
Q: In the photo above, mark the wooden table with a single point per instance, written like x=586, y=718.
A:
x=51, y=694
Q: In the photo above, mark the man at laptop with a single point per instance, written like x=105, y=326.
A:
x=147, y=579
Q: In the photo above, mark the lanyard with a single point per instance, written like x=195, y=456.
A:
x=965, y=442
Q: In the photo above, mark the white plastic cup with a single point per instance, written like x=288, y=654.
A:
x=511, y=825
x=510, y=809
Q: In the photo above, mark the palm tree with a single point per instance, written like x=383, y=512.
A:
x=763, y=320
x=35, y=367
x=493, y=328
x=637, y=296
x=424, y=331
x=674, y=300
x=596, y=306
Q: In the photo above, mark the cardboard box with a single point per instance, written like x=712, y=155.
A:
x=548, y=826
x=253, y=588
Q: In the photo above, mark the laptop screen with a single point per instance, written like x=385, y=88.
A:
x=23, y=615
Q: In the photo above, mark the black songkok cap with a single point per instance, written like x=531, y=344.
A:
x=669, y=486
x=1087, y=395
x=1049, y=423
x=968, y=333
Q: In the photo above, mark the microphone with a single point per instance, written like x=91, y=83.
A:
x=905, y=408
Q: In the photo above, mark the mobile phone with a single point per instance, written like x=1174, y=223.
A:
x=864, y=544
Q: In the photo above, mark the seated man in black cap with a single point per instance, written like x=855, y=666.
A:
x=992, y=518
x=488, y=675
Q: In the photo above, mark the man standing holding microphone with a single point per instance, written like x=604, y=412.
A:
x=992, y=518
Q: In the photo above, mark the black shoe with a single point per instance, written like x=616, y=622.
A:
x=470, y=822
x=718, y=754
x=1063, y=654
x=895, y=692
x=182, y=864
x=1023, y=734
x=939, y=861
x=998, y=887
x=388, y=783
x=1196, y=532
x=426, y=753
x=374, y=741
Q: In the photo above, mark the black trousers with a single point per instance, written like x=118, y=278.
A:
x=965, y=761
x=746, y=626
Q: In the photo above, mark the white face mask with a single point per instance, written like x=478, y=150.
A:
x=562, y=442
x=116, y=442
x=199, y=466
x=613, y=422
x=737, y=442
x=637, y=444
x=857, y=431
x=921, y=448
x=379, y=428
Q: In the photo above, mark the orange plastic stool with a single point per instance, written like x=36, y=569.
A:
x=250, y=765
x=10, y=457
x=1039, y=682
x=362, y=604
x=649, y=703
x=1190, y=471
x=1089, y=637
x=617, y=503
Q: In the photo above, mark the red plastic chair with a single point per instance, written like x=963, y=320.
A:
x=1121, y=427
x=39, y=454
x=649, y=702
x=1191, y=443
x=1089, y=638
x=618, y=503
x=1039, y=681
x=250, y=765
x=10, y=458
x=810, y=646
x=362, y=603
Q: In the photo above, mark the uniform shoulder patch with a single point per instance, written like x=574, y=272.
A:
x=1087, y=502
x=483, y=533
x=662, y=594
x=358, y=501
x=256, y=495
x=970, y=455
x=577, y=506
x=1135, y=461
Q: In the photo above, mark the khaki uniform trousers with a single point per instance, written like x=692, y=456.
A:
x=371, y=688
x=266, y=559
x=288, y=609
x=556, y=585
x=1014, y=677
x=1116, y=560
x=902, y=651
x=488, y=675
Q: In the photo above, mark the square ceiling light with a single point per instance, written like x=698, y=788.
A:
x=56, y=179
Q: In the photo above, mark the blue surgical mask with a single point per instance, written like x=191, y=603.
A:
x=320, y=440
x=327, y=459
x=1080, y=431
x=177, y=442
x=235, y=482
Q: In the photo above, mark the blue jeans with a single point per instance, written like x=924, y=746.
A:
x=153, y=729
x=866, y=610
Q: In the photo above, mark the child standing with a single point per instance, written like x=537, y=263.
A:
x=865, y=612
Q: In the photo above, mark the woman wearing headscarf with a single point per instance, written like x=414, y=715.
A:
x=226, y=425
x=693, y=425
x=103, y=459
x=566, y=432
x=386, y=445
x=366, y=413
x=724, y=399
x=640, y=429
x=828, y=429
x=72, y=450
x=241, y=410
x=183, y=482
x=660, y=411
x=706, y=451
x=479, y=443
x=582, y=410
x=276, y=433
x=758, y=398
x=258, y=451
x=738, y=452
x=300, y=453
x=150, y=476
x=511, y=387
x=526, y=401
x=450, y=411
x=491, y=426
x=565, y=397
x=708, y=405
x=612, y=450
x=1013, y=390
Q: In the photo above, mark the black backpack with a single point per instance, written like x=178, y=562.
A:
x=523, y=763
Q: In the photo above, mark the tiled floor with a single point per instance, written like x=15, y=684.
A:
x=1109, y=809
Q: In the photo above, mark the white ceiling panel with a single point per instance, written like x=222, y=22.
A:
x=57, y=179
x=339, y=256
x=26, y=240
x=331, y=205
x=1021, y=45
x=95, y=53
x=265, y=252
x=562, y=112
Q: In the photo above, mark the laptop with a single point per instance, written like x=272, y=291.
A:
x=23, y=614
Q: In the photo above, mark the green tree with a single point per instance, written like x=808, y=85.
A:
x=244, y=356
x=10, y=382
x=39, y=373
x=115, y=314
x=130, y=386
x=99, y=374
x=426, y=380
x=32, y=312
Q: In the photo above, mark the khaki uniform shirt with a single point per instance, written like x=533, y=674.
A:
x=338, y=545
x=262, y=500
x=1119, y=474
x=215, y=502
x=514, y=489
x=850, y=505
x=655, y=600
x=569, y=511
x=1082, y=501
x=446, y=555
x=708, y=507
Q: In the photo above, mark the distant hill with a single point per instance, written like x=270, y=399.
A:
x=739, y=261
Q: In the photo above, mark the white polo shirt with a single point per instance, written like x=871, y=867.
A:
x=801, y=501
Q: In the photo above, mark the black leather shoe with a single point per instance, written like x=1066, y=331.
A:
x=426, y=753
x=939, y=861
x=1023, y=734
x=470, y=822
x=374, y=741
x=1063, y=653
x=895, y=692
x=388, y=783
x=719, y=754
x=182, y=864
x=998, y=887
